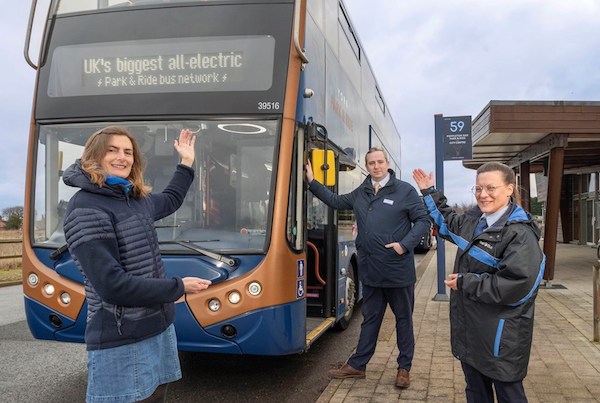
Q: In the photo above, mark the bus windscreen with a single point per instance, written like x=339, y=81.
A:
x=172, y=65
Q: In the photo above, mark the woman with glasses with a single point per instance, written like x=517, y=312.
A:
x=497, y=271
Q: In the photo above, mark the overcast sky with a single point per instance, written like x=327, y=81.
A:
x=445, y=56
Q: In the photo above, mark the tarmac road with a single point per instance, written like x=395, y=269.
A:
x=36, y=371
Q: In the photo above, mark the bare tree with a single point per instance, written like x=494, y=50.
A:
x=463, y=207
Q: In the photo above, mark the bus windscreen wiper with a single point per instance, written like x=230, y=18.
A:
x=229, y=261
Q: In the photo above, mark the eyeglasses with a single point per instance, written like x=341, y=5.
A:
x=489, y=189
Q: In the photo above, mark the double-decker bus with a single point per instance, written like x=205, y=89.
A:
x=264, y=84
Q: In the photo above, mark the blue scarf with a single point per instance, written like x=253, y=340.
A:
x=115, y=180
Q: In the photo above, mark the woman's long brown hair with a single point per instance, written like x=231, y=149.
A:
x=96, y=148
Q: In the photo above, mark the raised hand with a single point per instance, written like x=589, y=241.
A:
x=184, y=145
x=422, y=179
x=309, y=172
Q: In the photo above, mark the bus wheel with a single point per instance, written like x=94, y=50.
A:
x=350, y=298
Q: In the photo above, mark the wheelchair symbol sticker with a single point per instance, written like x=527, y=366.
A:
x=300, y=289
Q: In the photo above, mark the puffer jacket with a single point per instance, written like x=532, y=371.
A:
x=112, y=239
x=395, y=214
x=491, y=313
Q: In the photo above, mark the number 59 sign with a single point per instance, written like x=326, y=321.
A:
x=457, y=138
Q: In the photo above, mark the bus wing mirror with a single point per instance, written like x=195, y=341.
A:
x=323, y=165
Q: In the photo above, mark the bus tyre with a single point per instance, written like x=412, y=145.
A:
x=350, y=298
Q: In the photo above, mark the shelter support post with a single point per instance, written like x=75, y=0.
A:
x=525, y=185
x=555, y=173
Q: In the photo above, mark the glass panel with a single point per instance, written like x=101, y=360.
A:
x=349, y=32
x=349, y=178
x=317, y=212
x=228, y=206
x=379, y=99
x=575, y=218
x=597, y=219
x=589, y=221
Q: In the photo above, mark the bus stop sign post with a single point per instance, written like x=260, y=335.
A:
x=439, y=178
x=452, y=142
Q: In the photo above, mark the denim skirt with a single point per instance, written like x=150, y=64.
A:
x=132, y=372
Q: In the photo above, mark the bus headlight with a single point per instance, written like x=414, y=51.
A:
x=33, y=279
x=49, y=289
x=234, y=297
x=254, y=288
x=214, y=305
x=65, y=298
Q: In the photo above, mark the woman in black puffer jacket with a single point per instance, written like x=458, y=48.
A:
x=109, y=227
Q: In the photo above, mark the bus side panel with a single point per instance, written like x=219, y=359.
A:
x=41, y=328
x=192, y=337
x=277, y=330
x=76, y=333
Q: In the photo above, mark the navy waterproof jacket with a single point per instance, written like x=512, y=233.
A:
x=395, y=214
x=112, y=240
x=491, y=313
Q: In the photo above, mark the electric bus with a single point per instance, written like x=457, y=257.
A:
x=264, y=85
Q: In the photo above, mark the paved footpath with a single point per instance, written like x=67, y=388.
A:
x=564, y=364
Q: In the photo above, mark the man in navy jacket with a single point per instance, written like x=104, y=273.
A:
x=391, y=219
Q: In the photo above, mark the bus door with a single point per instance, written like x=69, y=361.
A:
x=321, y=248
x=330, y=251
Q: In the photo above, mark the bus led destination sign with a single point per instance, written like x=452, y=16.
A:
x=166, y=65
x=143, y=71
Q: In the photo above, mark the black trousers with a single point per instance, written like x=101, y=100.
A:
x=479, y=388
x=375, y=301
